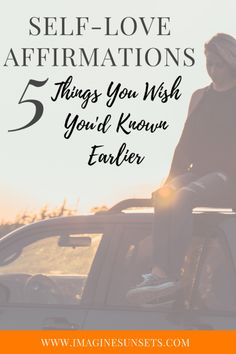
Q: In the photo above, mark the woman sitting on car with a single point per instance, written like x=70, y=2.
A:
x=203, y=170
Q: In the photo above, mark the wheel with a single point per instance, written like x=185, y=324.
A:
x=42, y=290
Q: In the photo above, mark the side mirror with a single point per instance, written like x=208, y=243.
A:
x=8, y=258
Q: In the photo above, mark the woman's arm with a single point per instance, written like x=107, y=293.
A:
x=182, y=160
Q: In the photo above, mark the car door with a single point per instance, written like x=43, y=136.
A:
x=129, y=257
x=211, y=295
x=43, y=279
x=206, y=301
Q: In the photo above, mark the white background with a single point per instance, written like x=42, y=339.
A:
x=38, y=165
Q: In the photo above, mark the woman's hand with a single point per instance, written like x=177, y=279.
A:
x=164, y=196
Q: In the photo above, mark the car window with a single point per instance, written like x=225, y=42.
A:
x=50, y=270
x=133, y=259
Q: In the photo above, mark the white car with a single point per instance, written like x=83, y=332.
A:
x=74, y=273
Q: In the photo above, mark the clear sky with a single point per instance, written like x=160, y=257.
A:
x=38, y=165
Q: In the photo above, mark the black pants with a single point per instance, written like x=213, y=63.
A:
x=173, y=224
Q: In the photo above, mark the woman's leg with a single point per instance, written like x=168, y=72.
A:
x=163, y=210
x=173, y=225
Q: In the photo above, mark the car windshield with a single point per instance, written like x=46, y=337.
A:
x=46, y=268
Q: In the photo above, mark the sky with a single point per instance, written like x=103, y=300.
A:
x=38, y=165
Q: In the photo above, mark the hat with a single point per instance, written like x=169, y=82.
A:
x=225, y=47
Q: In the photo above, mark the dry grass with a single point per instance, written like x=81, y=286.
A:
x=27, y=217
x=45, y=213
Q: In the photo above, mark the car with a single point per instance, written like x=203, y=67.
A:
x=74, y=272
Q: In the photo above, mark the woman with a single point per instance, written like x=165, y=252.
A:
x=203, y=170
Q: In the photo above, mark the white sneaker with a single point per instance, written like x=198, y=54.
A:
x=152, y=288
